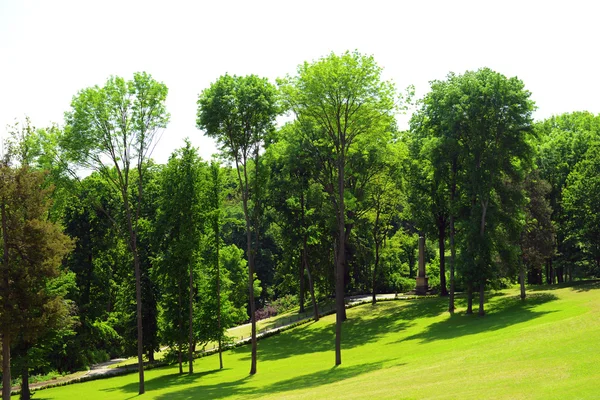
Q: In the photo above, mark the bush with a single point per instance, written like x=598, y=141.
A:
x=265, y=312
x=404, y=284
x=285, y=303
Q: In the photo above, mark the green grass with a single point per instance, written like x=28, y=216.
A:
x=241, y=332
x=547, y=347
x=291, y=316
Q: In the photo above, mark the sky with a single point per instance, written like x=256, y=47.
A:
x=50, y=50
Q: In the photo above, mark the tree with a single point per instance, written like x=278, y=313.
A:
x=564, y=141
x=180, y=226
x=428, y=202
x=385, y=200
x=340, y=98
x=116, y=126
x=538, y=235
x=105, y=296
x=215, y=201
x=580, y=201
x=239, y=112
x=291, y=170
x=480, y=123
x=32, y=251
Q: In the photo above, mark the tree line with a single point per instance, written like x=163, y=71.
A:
x=132, y=255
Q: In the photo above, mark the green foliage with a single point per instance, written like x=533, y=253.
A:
x=581, y=201
x=32, y=285
x=476, y=131
x=180, y=226
x=566, y=141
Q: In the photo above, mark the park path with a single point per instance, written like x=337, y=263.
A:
x=104, y=369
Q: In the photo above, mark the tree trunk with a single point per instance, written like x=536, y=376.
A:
x=339, y=282
x=411, y=262
x=442, y=245
x=151, y=356
x=25, y=392
x=180, y=357
x=377, y=245
x=522, y=279
x=451, y=306
x=484, y=206
x=304, y=255
x=560, y=274
x=250, y=255
x=469, y=298
x=301, y=281
x=138, y=287
x=191, y=322
x=481, y=299
x=374, y=284
x=6, y=338
x=347, y=258
x=217, y=246
x=6, y=384
x=180, y=329
x=311, y=288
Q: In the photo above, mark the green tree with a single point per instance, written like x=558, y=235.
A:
x=239, y=112
x=428, y=195
x=538, y=235
x=340, y=98
x=112, y=129
x=580, y=201
x=563, y=142
x=180, y=227
x=480, y=123
x=385, y=199
x=96, y=262
x=291, y=174
x=32, y=251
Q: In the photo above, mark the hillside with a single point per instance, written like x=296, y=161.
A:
x=546, y=347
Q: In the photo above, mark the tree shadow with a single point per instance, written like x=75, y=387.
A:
x=162, y=381
x=366, y=324
x=586, y=286
x=580, y=286
x=307, y=381
x=504, y=312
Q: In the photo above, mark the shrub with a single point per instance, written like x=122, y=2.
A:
x=285, y=303
x=265, y=312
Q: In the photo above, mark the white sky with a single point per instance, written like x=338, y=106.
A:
x=49, y=50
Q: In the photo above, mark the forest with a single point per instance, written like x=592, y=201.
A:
x=316, y=194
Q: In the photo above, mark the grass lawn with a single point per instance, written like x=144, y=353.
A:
x=547, y=347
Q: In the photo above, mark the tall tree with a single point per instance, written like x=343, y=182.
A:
x=215, y=201
x=341, y=98
x=564, y=141
x=291, y=174
x=581, y=200
x=180, y=227
x=538, y=235
x=113, y=129
x=428, y=202
x=385, y=198
x=239, y=112
x=480, y=123
x=32, y=251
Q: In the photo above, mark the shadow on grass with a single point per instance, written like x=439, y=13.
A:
x=236, y=388
x=580, y=286
x=161, y=382
x=365, y=324
x=501, y=313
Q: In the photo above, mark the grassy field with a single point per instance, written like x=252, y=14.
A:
x=547, y=347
